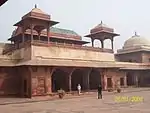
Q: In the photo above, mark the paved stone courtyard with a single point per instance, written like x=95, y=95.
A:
x=89, y=104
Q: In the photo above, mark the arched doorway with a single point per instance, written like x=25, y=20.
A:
x=77, y=78
x=130, y=79
x=95, y=79
x=59, y=80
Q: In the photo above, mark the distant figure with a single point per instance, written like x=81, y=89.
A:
x=99, y=92
x=79, y=89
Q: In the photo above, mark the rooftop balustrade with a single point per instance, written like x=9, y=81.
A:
x=64, y=45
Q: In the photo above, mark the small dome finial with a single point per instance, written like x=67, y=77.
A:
x=135, y=33
x=35, y=5
x=101, y=22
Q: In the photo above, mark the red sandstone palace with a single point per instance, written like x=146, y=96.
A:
x=41, y=59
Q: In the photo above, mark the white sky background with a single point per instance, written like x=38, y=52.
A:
x=125, y=16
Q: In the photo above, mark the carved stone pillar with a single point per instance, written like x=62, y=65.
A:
x=92, y=42
x=112, y=44
x=39, y=35
x=102, y=43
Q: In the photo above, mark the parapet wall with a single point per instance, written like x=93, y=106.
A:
x=41, y=52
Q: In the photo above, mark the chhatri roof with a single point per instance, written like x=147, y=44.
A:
x=35, y=14
x=52, y=30
x=101, y=27
x=37, y=10
x=102, y=31
x=136, y=41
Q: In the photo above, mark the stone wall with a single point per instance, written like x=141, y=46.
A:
x=22, y=53
x=145, y=57
x=40, y=80
x=139, y=57
x=9, y=82
x=115, y=76
x=25, y=81
x=70, y=53
x=134, y=57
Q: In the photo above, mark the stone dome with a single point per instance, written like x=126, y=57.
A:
x=136, y=41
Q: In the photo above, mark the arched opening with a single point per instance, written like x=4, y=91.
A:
x=59, y=80
x=77, y=78
x=130, y=79
x=95, y=79
x=107, y=44
x=97, y=43
x=144, y=80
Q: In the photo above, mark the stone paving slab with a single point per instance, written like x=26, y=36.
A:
x=5, y=101
x=85, y=104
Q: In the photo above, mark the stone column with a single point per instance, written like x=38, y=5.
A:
x=70, y=83
x=104, y=80
x=48, y=29
x=32, y=32
x=113, y=82
x=70, y=78
x=136, y=80
x=49, y=80
x=125, y=81
x=92, y=40
x=33, y=82
x=112, y=44
x=39, y=35
x=86, y=79
x=102, y=43
x=23, y=34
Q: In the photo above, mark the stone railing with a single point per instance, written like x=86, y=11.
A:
x=15, y=47
x=56, y=44
x=73, y=46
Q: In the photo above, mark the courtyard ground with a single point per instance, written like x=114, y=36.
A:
x=85, y=104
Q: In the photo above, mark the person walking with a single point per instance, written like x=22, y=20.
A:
x=79, y=89
x=99, y=92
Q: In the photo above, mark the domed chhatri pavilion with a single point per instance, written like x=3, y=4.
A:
x=42, y=58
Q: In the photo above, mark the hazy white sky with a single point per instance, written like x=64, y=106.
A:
x=125, y=16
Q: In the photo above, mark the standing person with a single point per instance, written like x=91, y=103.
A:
x=79, y=89
x=99, y=92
